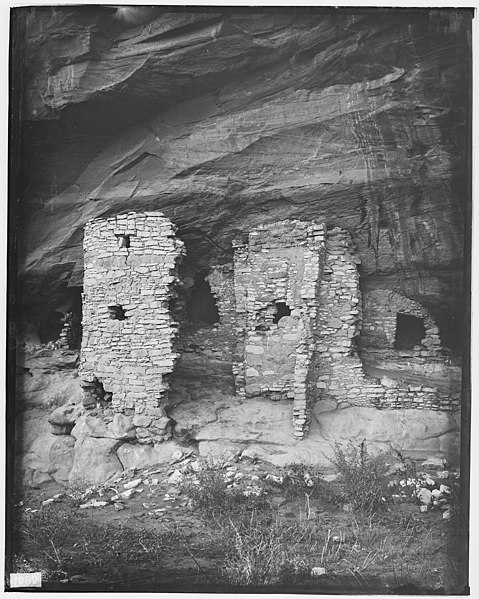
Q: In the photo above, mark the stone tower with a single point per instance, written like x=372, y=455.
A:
x=127, y=351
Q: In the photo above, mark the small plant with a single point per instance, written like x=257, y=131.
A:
x=299, y=480
x=209, y=493
x=407, y=465
x=264, y=552
x=59, y=540
x=362, y=476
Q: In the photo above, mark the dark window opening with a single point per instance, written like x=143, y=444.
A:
x=94, y=394
x=410, y=331
x=282, y=310
x=201, y=307
x=116, y=313
x=123, y=241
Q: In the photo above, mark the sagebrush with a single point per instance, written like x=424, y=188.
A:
x=362, y=476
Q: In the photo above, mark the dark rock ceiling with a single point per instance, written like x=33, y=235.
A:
x=224, y=120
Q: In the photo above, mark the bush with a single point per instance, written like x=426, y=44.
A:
x=300, y=480
x=260, y=551
x=209, y=494
x=362, y=476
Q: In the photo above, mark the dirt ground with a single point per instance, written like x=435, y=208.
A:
x=142, y=532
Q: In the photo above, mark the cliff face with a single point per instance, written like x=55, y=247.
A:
x=227, y=120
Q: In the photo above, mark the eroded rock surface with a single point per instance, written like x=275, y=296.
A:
x=264, y=429
x=224, y=121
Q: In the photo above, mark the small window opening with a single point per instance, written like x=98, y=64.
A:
x=116, y=313
x=123, y=241
x=94, y=394
x=282, y=310
x=410, y=331
x=201, y=308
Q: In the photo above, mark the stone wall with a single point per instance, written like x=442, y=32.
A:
x=130, y=267
x=340, y=372
x=70, y=335
x=290, y=317
x=381, y=308
x=277, y=271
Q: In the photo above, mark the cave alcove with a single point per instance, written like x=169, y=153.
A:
x=50, y=327
x=201, y=308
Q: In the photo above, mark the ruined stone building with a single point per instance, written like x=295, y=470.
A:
x=290, y=302
x=127, y=351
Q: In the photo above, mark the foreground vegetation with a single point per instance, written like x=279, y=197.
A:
x=293, y=528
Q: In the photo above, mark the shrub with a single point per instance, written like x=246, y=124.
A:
x=260, y=551
x=209, y=494
x=362, y=476
x=299, y=480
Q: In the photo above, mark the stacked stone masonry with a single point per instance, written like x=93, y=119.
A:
x=71, y=331
x=381, y=308
x=130, y=267
x=277, y=272
x=316, y=357
x=339, y=368
x=290, y=317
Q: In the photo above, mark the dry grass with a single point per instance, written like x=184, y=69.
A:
x=60, y=541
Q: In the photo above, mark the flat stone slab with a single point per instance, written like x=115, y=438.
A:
x=265, y=429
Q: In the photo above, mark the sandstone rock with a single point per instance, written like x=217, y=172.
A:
x=434, y=462
x=120, y=428
x=142, y=456
x=192, y=415
x=176, y=477
x=425, y=496
x=58, y=429
x=132, y=484
x=95, y=461
x=267, y=430
x=66, y=415
x=140, y=420
x=267, y=110
x=318, y=571
x=90, y=426
x=48, y=381
x=50, y=459
x=388, y=382
x=246, y=135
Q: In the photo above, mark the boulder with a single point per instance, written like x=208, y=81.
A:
x=49, y=460
x=95, y=461
x=120, y=428
x=47, y=379
x=66, y=415
x=142, y=456
x=61, y=429
x=265, y=430
x=425, y=496
x=29, y=426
